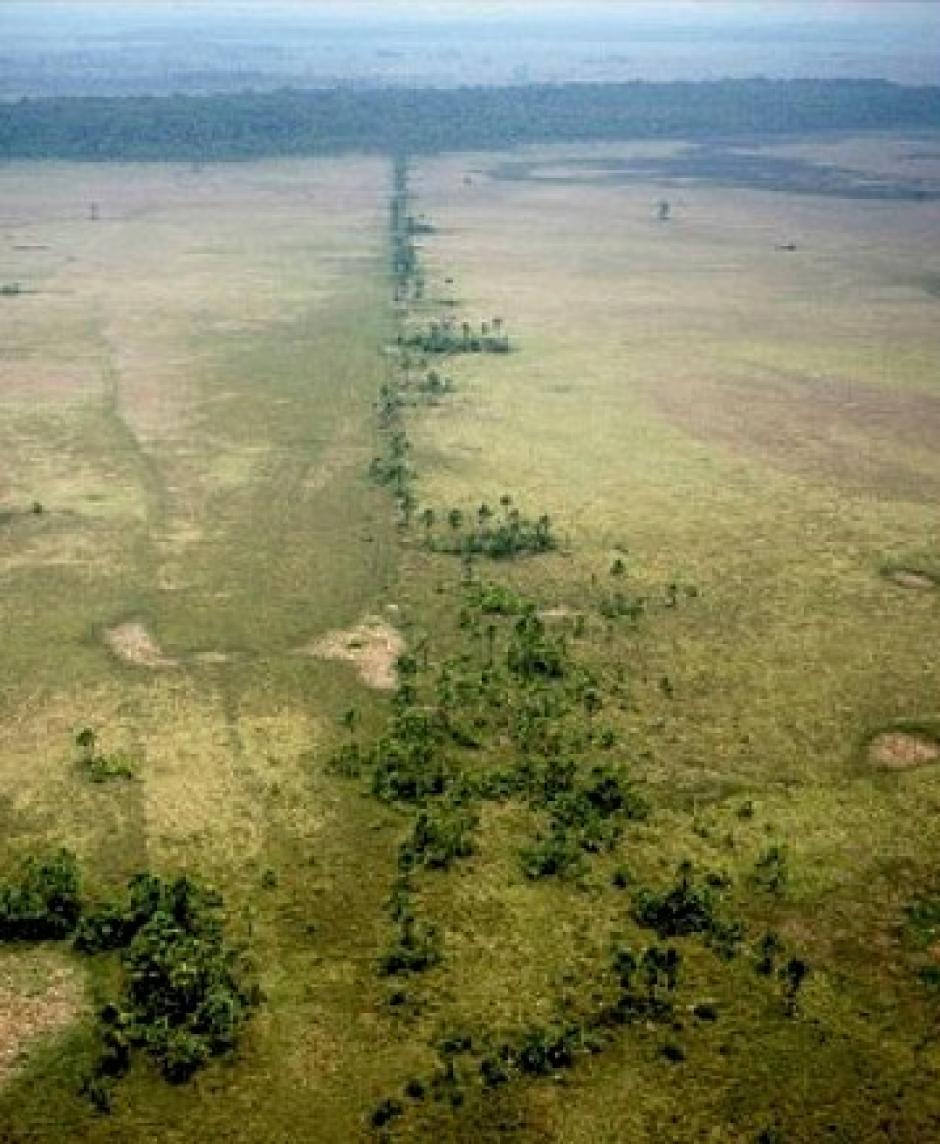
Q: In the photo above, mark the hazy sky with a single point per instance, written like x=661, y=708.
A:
x=158, y=46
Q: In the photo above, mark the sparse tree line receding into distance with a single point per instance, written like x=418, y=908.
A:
x=253, y=124
x=517, y=717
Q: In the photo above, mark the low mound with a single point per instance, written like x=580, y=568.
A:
x=31, y=1009
x=132, y=643
x=373, y=646
x=901, y=750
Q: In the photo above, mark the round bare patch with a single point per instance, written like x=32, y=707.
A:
x=908, y=578
x=901, y=750
x=373, y=646
x=134, y=644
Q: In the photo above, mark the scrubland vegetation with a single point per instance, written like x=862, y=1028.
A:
x=642, y=845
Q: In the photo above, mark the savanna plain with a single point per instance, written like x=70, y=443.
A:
x=665, y=865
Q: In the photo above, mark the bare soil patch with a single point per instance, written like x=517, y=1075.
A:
x=901, y=750
x=908, y=578
x=132, y=643
x=559, y=612
x=31, y=1010
x=373, y=646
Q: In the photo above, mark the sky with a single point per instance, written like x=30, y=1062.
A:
x=158, y=46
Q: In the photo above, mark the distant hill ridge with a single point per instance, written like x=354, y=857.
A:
x=291, y=122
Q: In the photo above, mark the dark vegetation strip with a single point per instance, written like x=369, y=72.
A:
x=517, y=716
x=288, y=122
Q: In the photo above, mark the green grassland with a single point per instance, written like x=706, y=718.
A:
x=751, y=431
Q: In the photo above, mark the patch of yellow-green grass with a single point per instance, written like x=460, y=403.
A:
x=729, y=419
x=237, y=315
x=210, y=491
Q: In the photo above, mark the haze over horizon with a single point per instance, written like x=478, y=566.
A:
x=73, y=47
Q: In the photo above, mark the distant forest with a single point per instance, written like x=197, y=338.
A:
x=251, y=124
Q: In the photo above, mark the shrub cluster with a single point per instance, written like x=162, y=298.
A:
x=446, y=337
x=186, y=998
x=44, y=902
x=499, y=536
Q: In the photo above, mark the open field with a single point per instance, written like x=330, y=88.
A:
x=187, y=388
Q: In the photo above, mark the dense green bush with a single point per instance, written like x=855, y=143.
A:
x=44, y=902
x=684, y=908
x=187, y=996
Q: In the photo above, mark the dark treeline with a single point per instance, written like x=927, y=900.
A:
x=288, y=122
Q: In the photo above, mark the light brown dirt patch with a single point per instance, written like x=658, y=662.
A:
x=558, y=612
x=373, y=646
x=901, y=750
x=906, y=578
x=35, y=1002
x=132, y=643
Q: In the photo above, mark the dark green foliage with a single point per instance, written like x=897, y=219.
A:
x=438, y=839
x=586, y=814
x=446, y=337
x=769, y=949
x=433, y=385
x=770, y=870
x=97, y=766
x=684, y=908
x=44, y=902
x=101, y=768
x=497, y=600
x=923, y=920
x=533, y=653
x=289, y=122
x=386, y=1112
x=619, y=605
x=417, y=948
x=186, y=1000
x=930, y=976
x=108, y=927
x=792, y=975
x=98, y=1092
x=646, y=983
x=499, y=537
x=407, y=770
x=415, y=1089
x=554, y=854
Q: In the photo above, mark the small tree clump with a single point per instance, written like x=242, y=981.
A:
x=44, y=902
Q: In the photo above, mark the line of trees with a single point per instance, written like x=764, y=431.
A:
x=251, y=124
